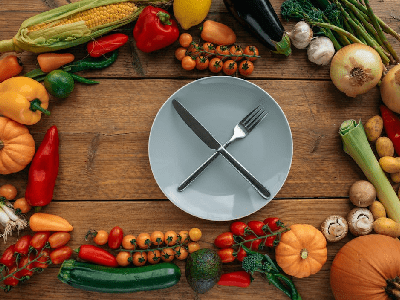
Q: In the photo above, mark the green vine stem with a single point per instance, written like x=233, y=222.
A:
x=201, y=50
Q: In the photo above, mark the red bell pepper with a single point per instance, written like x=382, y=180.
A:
x=97, y=255
x=43, y=170
x=238, y=278
x=106, y=44
x=391, y=123
x=154, y=29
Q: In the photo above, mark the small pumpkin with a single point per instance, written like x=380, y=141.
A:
x=367, y=267
x=301, y=251
x=17, y=146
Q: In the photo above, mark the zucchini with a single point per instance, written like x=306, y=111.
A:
x=91, y=277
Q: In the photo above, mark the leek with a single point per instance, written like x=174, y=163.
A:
x=356, y=145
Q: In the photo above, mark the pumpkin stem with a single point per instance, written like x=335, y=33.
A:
x=304, y=253
x=393, y=288
x=1, y=145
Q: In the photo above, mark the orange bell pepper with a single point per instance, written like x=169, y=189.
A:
x=23, y=100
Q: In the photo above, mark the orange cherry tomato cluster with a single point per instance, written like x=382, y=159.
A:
x=10, y=192
x=254, y=235
x=216, y=58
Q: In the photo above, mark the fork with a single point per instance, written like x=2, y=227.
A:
x=241, y=130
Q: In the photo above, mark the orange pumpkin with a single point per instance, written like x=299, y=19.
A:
x=366, y=268
x=17, y=146
x=302, y=251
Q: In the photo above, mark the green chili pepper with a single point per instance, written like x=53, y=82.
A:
x=82, y=79
x=91, y=63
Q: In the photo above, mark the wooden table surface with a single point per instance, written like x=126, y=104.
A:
x=105, y=177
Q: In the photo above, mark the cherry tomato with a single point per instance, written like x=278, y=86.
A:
x=193, y=247
x=123, y=258
x=8, y=258
x=256, y=227
x=154, y=257
x=143, y=240
x=115, y=237
x=194, y=50
x=157, y=238
x=22, y=205
x=12, y=280
x=195, y=234
x=180, y=53
x=210, y=48
x=251, y=50
x=101, y=237
x=254, y=245
x=40, y=239
x=188, y=63
x=236, y=52
x=273, y=223
x=22, y=245
x=42, y=261
x=181, y=253
x=8, y=191
x=239, y=228
x=246, y=67
x=226, y=255
x=59, y=239
x=170, y=238
x=229, y=67
x=139, y=258
x=221, y=51
x=27, y=265
x=167, y=254
x=129, y=242
x=202, y=63
x=271, y=241
x=215, y=65
x=183, y=237
x=224, y=240
x=241, y=254
x=58, y=255
x=185, y=39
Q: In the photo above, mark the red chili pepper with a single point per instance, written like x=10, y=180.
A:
x=97, y=256
x=115, y=237
x=391, y=123
x=154, y=29
x=8, y=258
x=22, y=245
x=106, y=44
x=238, y=278
x=43, y=170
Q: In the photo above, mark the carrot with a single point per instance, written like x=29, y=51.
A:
x=52, y=61
x=48, y=222
x=10, y=66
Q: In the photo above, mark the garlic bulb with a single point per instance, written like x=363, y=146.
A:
x=320, y=51
x=301, y=35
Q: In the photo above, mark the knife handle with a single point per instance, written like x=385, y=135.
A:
x=262, y=190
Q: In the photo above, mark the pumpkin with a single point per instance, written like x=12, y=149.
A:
x=17, y=146
x=301, y=251
x=367, y=268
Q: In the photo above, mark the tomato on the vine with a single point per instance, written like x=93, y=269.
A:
x=129, y=242
x=115, y=237
x=254, y=245
x=238, y=228
x=139, y=258
x=210, y=48
x=123, y=258
x=101, y=237
x=167, y=254
x=143, y=240
x=154, y=256
x=246, y=67
x=27, y=265
x=40, y=239
x=42, y=259
x=256, y=227
x=221, y=51
x=215, y=65
x=8, y=258
x=181, y=253
x=12, y=280
x=22, y=245
x=157, y=238
x=224, y=240
x=202, y=62
x=271, y=241
x=180, y=53
x=273, y=223
x=229, y=67
x=170, y=238
x=251, y=50
x=236, y=52
x=241, y=254
x=185, y=39
x=188, y=63
x=226, y=255
x=58, y=255
x=59, y=239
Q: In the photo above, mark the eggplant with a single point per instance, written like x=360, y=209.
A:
x=259, y=17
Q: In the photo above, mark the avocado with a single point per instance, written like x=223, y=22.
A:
x=203, y=270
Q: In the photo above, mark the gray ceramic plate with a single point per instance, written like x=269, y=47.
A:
x=220, y=193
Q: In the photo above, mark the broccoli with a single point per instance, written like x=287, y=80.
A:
x=253, y=263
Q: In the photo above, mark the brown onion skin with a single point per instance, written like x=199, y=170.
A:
x=390, y=89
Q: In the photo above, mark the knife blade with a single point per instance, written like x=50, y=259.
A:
x=212, y=143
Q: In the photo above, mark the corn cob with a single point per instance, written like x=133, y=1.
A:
x=74, y=24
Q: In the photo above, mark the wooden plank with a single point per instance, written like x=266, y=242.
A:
x=136, y=217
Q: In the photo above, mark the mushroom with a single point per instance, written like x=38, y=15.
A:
x=334, y=228
x=362, y=193
x=360, y=221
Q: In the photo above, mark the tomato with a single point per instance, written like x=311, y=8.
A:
x=8, y=191
x=22, y=245
x=241, y=254
x=101, y=237
x=246, y=67
x=170, y=238
x=239, y=228
x=123, y=258
x=58, y=255
x=256, y=227
x=229, y=67
x=183, y=237
x=193, y=247
x=59, y=239
x=22, y=205
x=201, y=63
x=157, y=238
x=181, y=253
x=42, y=257
x=27, y=265
x=12, y=280
x=236, y=51
x=273, y=223
x=8, y=258
x=129, y=242
x=194, y=50
x=215, y=65
x=195, y=234
x=226, y=255
x=143, y=240
x=154, y=256
x=251, y=50
x=224, y=240
x=221, y=51
x=180, y=53
x=188, y=63
x=210, y=48
x=185, y=39
x=40, y=239
x=271, y=241
x=115, y=237
x=167, y=254
x=139, y=258
x=254, y=245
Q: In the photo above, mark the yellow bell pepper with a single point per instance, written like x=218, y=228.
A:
x=23, y=100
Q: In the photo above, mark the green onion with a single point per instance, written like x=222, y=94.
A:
x=355, y=144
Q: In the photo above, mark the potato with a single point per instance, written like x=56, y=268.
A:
x=387, y=226
x=373, y=128
x=377, y=209
x=384, y=147
x=390, y=164
x=395, y=177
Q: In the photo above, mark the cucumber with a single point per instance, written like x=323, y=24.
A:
x=91, y=277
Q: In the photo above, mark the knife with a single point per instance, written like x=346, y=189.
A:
x=212, y=143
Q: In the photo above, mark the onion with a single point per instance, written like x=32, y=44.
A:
x=355, y=69
x=390, y=89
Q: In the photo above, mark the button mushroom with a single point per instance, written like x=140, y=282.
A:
x=360, y=221
x=334, y=228
x=362, y=193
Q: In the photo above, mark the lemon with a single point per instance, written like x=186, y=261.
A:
x=191, y=12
